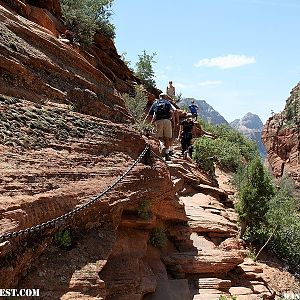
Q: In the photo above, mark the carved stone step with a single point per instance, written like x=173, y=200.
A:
x=213, y=283
x=214, y=261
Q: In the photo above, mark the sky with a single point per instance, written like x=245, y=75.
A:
x=238, y=55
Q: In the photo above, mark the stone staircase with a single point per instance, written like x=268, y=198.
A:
x=215, y=262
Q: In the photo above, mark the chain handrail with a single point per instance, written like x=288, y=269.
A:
x=159, y=157
x=74, y=211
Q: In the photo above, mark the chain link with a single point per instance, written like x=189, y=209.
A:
x=53, y=222
x=159, y=157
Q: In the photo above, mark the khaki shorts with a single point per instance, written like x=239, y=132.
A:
x=163, y=128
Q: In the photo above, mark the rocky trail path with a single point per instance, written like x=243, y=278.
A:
x=216, y=262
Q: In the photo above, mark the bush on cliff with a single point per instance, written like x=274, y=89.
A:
x=283, y=222
x=229, y=149
x=136, y=105
x=85, y=17
x=144, y=69
x=255, y=189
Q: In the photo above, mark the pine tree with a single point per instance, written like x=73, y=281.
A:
x=254, y=191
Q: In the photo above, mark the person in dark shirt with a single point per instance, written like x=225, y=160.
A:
x=162, y=116
x=186, y=132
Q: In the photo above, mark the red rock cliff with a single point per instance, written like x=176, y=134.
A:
x=37, y=66
x=281, y=136
x=64, y=138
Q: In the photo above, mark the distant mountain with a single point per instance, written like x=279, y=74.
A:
x=206, y=112
x=251, y=126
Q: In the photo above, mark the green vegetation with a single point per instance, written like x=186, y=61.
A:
x=283, y=220
x=178, y=97
x=63, y=239
x=127, y=62
x=158, y=237
x=228, y=150
x=222, y=297
x=268, y=215
x=251, y=252
x=144, y=69
x=255, y=189
x=144, y=211
x=292, y=111
x=136, y=105
x=85, y=17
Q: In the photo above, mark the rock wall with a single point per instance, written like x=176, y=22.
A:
x=281, y=136
x=38, y=66
x=64, y=138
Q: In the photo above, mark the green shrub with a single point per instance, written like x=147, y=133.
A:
x=255, y=190
x=229, y=150
x=85, y=17
x=227, y=154
x=283, y=217
x=136, y=105
x=144, y=69
x=63, y=239
x=247, y=148
x=251, y=252
x=222, y=297
x=203, y=154
x=144, y=211
x=158, y=237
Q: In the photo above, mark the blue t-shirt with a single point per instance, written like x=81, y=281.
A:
x=193, y=109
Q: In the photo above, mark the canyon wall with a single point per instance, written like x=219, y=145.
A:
x=281, y=136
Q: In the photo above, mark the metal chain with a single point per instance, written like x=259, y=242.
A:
x=73, y=212
x=159, y=157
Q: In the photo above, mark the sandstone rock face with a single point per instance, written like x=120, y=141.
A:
x=38, y=66
x=281, y=138
x=65, y=137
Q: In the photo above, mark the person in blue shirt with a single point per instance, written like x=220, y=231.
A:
x=194, y=110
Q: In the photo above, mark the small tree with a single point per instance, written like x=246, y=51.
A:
x=144, y=68
x=85, y=17
x=136, y=105
x=127, y=62
x=178, y=97
x=255, y=190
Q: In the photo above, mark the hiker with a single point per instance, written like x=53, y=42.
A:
x=189, y=152
x=186, y=132
x=162, y=114
x=171, y=90
x=194, y=110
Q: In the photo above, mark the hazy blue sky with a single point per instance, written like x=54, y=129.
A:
x=239, y=55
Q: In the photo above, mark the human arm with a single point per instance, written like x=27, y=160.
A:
x=180, y=131
x=153, y=118
x=150, y=113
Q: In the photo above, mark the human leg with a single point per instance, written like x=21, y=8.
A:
x=160, y=135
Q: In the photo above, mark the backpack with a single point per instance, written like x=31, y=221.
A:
x=162, y=109
x=193, y=109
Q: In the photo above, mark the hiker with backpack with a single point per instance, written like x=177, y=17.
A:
x=194, y=110
x=186, y=132
x=162, y=114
